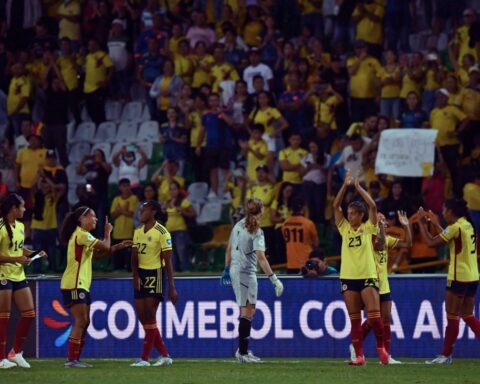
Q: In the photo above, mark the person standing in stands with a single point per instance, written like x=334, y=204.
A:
x=98, y=73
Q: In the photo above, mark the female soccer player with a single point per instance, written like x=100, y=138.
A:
x=382, y=243
x=13, y=256
x=151, y=253
x=462, y=279
x=77, y=278
x=358, y=273
x=245, y=247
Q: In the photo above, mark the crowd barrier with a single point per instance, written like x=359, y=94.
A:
x=309, y=320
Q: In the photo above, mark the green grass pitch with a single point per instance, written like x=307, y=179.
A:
x=224, y=371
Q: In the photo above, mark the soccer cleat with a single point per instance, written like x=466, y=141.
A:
x=441, y=360
x=353, y=354
x=18, y=359
x=163, y=361
x=5, y=364
x=140, y=363
x=383, y=356
x=76, y=364
x=391, y=360
x=251, y=356
x=359, y=360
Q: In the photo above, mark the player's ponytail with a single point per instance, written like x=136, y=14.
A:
x=161, y=214
x=12, y=200
x=459, y=209
x=71, y=222
x=254, y=209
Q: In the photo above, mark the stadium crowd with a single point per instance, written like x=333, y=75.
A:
x=256, y=98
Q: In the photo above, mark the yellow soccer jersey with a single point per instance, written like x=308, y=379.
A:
x=358, y=261
x=9, y=271
x=294, y=157
x=462, y=242
x=266, y=194
x=381, y=260
x=78, y=274
x=150, y=246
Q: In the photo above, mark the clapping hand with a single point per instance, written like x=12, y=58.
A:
x=108, y=226
x=402, y=218
x=348, y=178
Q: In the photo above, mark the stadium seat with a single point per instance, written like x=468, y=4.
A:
x=113, y=110
x=77, y=151
x=143, y=173
x=70, y=131
x=72, y=175
x=85, y=132
x=147, y=147
x=113, y=178
x=84, y=114
x=149, y=131
x=72, y=194
x=106, y=148
x=146, y=114
x=197, y=192
x=106, y=132
x=132, y=111
x=211, y=212
x=127, y=132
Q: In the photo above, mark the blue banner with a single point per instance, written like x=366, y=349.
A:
x=309, y=320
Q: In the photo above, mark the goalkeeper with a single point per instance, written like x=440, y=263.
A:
x=245, y=247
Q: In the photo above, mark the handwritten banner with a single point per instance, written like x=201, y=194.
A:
x=406, y=152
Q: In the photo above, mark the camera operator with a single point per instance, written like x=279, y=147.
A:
x=316, y=266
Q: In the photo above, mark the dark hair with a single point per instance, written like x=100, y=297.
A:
x=284, y=186
x=12, y=200
x=298, y=203
x=181, y=194
x=360, y=207
x=318, y=253
x=104, y=158
x=161, y=214
x=124, y=181
x=155, y=191
x=256, y=77
x=71, y=222
x=294, y=133
x=258, y=127
x=460, y=209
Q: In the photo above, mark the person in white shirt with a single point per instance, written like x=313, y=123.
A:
x=130, y=160
x=257, y=68
x=351, y=157
x=21, y=140
x=200, y=31
x=314, y=180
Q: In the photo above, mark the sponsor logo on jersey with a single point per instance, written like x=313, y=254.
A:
x=169, y=241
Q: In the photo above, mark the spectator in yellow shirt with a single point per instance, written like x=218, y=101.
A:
x=471, y=194
x=69, y=14
x=469, y=100
x=290, y=159
x=363, y=70
x=122, y=211
x=460, y=44
x=368, y=17
x=221, y=70
x=256, y=151
x=390, y=80
x=98, y=73
x=179, y=210
x=29, y=162
x=450, y=122
x=19, y=92
x=70, y=65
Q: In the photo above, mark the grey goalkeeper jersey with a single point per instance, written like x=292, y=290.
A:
x=243, y=246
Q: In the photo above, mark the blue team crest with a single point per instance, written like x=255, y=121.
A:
x=149, y=238
x=90, y=237
x=169, y=242
x=445, y=231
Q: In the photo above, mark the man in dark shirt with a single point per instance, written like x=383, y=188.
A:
x=56, y=118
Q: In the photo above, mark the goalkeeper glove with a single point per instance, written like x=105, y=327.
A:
x=225, y=279
x=277, y=284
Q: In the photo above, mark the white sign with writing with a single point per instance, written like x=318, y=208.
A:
x=406, y=152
